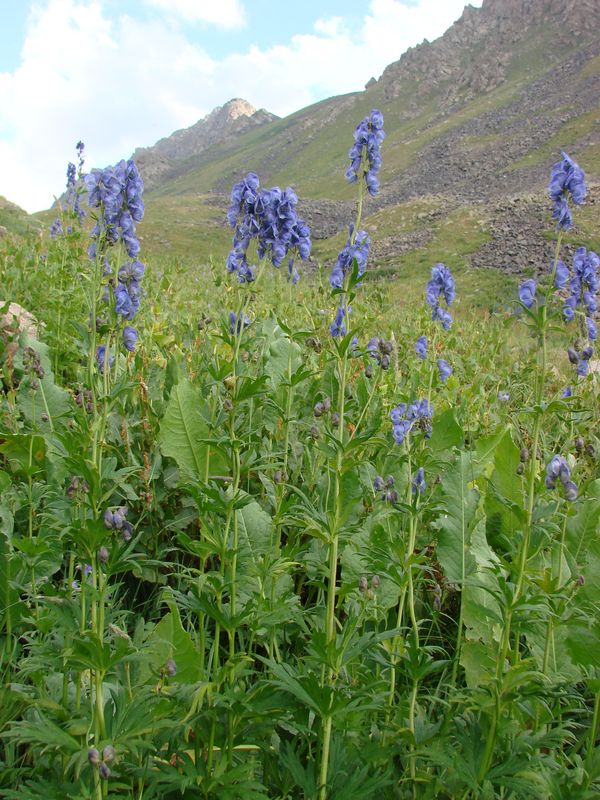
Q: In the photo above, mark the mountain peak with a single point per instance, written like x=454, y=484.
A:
x=222, y=123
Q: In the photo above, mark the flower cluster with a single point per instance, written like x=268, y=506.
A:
x=558, y=469
x=117, y=193
x=357, y=249
x=386, y=487
x=268, y=216
x=380, y=350
x=73, y=193
x=418, y=484
x=441, y=284
x=405, y=417
x=583, y=286
x=580, y=357
x=116, y=519
x=567, y=178
x=365, y=158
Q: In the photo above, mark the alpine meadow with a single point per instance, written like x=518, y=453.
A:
x=300, y=445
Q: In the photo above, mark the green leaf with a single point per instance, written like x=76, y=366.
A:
x=184, y=434
x=168, y=640
x=447, y=433
x=460, y=502
x=10, y=605
x=283, y=357
x=583, y=643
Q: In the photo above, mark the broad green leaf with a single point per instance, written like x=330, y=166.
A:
x=168, y=640
x=283, y=357
x=455, y=525
x=583, y=643
x=447, y=433
x=184, y=434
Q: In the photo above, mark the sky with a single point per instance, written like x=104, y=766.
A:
x=121, y=74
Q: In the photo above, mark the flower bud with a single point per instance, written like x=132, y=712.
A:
x=103, y=555
x=104, y=771
x=335, y=419
x=524, y=454
x=363, y=583
x=375, y=581
x=108, y=754
x=171, y=668
x=93, y=756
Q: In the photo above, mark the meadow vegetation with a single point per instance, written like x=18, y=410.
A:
x=329, y=534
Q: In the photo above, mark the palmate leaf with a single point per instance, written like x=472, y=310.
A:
x=43, y=734
x=185, y=436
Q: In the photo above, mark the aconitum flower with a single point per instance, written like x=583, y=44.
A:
x=388, y=493
x=418, y=484
x=365, y=158
x=567, y=178
x=236, y=323
x=561, y=275
x=558, y=469
x=130, y=337
x=338, y=327
x=101, y=357
x=357, y=249
x=117, y=193
x=421, y=347
x=584, y=286
x=56, y=228
x=380, y=350
x=445, y=369
x=405, y=417
x=440, y=285
x=567, y=392
x=527, y=292
x=269, y=217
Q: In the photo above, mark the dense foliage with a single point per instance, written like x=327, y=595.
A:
x=291, y=539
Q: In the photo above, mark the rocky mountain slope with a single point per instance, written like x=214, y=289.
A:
x=172, y=153
x=474, y=121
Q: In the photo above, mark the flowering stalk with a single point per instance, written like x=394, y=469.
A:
x=365, y=163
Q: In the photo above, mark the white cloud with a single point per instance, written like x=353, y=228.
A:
x=224, y=13
x=119, y=84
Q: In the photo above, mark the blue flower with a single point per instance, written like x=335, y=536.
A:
x=405, y=417
x=567, y=392
x=421, y=347
x=592, y=331
x=558, y=469
x=338, y=327
x=236, y=324
x=418, y=484
x=130, y=337
x=527, y=292
x=561, y=275
x=101, y=357
x=365, y=157
x=567, y=178
x=117, y=193
x=445, y=369
x=440, y=285
x=357, y=249
x=583, y=286
x=269, y=217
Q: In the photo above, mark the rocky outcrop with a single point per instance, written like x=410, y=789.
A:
x=163, y=160
x=474, y=54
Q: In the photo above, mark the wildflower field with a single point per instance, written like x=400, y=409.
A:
x=268, y=531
